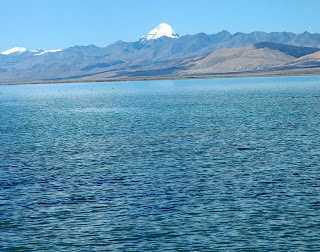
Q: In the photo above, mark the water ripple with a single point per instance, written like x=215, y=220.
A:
x=189, y=168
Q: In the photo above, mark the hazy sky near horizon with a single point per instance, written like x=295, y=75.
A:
x=53, y=24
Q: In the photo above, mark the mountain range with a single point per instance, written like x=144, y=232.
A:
x=163, y=54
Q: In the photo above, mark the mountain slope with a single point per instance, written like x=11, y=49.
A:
x=248, y=60
x=240, y=59
x=162, y=53
x=294, y=51
x=308, y=61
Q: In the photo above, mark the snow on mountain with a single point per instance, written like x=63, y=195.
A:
x=161, y=30
x=16, y=50
x=47, y=51
x=19, y=50
x=36, y=51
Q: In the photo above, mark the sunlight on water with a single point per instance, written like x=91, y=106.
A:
x=190, y=165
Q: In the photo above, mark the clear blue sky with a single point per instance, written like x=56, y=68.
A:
x=53, y=24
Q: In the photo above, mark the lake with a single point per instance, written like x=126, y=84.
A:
x=183, y=165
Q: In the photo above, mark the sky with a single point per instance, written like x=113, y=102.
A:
x=59, y=24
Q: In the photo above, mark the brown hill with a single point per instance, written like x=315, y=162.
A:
x=310, y=60
x=240, y=60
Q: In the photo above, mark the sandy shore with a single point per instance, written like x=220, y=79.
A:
x=209, y=76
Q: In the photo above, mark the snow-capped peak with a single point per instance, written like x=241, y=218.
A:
x=16, y=50
x=161, y=30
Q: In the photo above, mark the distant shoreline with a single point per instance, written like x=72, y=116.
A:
x=211, y=76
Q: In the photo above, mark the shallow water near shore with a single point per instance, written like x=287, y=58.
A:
x=183, y=165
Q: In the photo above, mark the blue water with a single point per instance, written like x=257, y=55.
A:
x=187, y=165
